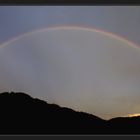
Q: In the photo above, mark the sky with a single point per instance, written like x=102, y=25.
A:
x=82, y=69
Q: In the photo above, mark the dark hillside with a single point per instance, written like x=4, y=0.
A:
x=22, y=114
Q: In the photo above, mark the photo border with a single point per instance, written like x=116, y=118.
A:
x=69, y=3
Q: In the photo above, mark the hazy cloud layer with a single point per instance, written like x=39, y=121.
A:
x=81, y=69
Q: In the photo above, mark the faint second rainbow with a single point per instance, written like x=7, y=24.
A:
x=86, y=28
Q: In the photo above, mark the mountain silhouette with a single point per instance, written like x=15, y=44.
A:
x=23, y=114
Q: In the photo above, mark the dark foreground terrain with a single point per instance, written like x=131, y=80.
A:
x=22, y=114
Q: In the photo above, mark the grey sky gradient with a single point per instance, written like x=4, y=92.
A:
x=122, y=20
x=84, y=70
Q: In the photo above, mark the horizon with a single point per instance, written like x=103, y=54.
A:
x=127, y=116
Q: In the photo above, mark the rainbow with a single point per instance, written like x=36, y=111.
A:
x=90, y=29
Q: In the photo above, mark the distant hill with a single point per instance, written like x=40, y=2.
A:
x=22, y=114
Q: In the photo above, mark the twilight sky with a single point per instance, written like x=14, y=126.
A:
x=81, y=68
